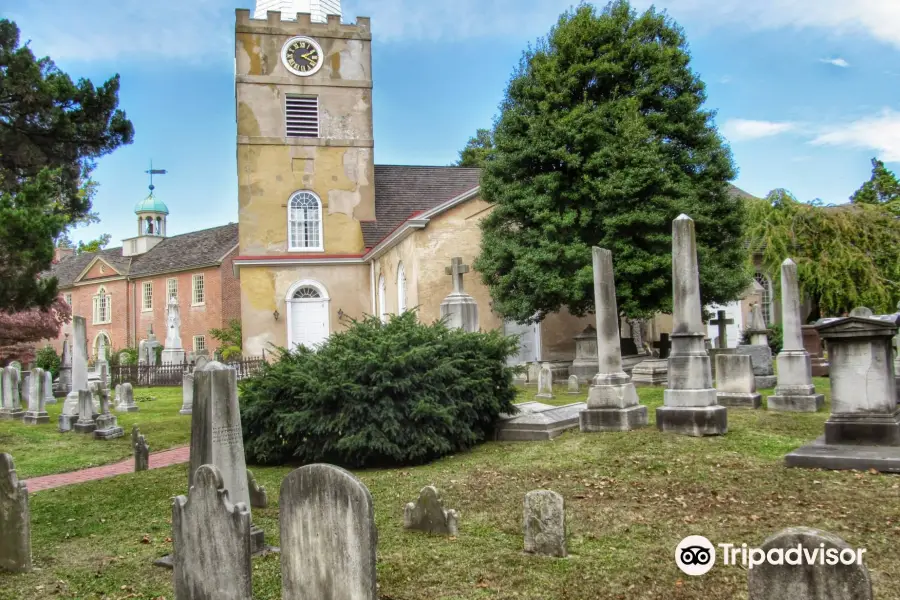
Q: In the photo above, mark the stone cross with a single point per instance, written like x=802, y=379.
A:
x=328, y=535
x=212, y=541
x=722, y=323
x=15, y=520
x=663, y=345
x=545, y=523
x=429, y=515
x=456, y=270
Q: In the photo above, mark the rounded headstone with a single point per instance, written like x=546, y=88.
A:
x=861, y=311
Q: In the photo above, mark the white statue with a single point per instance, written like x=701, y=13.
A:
x=173, y=334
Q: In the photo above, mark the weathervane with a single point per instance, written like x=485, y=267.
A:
x=153, y=172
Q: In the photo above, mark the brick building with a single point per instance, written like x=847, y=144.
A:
x=124, y=291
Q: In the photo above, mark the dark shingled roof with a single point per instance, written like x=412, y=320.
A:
x=403, y=190
x=190, y=250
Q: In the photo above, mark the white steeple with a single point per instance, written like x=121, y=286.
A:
x=319, y=9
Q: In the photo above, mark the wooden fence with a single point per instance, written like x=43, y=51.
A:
x=172, y=374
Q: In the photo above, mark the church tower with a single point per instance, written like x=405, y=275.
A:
x=151, y=215
x=318, y=9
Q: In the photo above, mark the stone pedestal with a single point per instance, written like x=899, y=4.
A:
x=713, y=353
x=735, y=382
x=585, y=364
x=174, y=356
x=812, y=343
x=795, y=391
x=653, y=372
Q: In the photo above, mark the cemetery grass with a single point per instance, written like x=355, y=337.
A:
x=630, y=498
x=42, y=450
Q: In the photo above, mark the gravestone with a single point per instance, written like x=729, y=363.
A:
x=863, y=430
x=798, y=580
x=141, y=453
x=812, y=343
x=125, y=398
x=534, y=421
x=459, y=308
x=328, y=535
x=48, y=388
x=85, y=422
x=187, y=393
x=545, y=523
x=258, y=496
x=545, y=382
x=201, y=362
x=722, y=322
x=147, y=348
x=795, y=391
x=584, y=367
x=212, y=542
x=690, y=402
x=735, y=383
x=17, y=366
x=173, y=352
x=135, y=432
x=758, y=350
x=655, y=370
x=36, y=414
x=10, y=404
x=124, y=358
x=574, y=388
x=15, y=520
x=118, y=394
x=64, y=382
x=107, y=423
x=79, y=373
x=612, y=402
x=428, y=514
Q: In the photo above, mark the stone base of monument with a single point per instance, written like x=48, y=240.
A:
x=66, y=422
x=612, y=419
x=257, y=548
x=188, y=411
x=537, y=421
x=874, y=430
x=739, y=400
x=796, y=399
x=7, y=414
x=630, y=361
x=173, y=356
x=127, y=408
x=109, y=433
x=86, y=428
x=697, y=421
x=842, y=457
x=36, y=418
x=650, y=373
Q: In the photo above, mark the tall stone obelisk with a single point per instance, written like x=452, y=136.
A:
x=612, y=400
x=795, y=391
x=690, y=404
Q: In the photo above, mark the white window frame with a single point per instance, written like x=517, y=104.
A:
x=146, y=286
x=202, y=338
x=767, y=298
x=292, y=245
x=169, y=285
x=68, y=299
x=201, y=277
x=97, y=339
x=289, y=299
x=401, y=289
x=106, y=298
x=382, y=301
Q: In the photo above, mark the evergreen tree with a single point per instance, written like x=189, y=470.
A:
x=477, y=149
x=883, y=188
x=50, y=132
x=602, y=141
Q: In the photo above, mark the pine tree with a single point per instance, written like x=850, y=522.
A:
x=602, y=141
x=883, y=188
x=477, y=149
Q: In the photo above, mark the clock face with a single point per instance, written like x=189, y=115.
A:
x=302, y=56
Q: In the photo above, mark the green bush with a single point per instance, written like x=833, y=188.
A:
x=379, y=394
x=130, y=358
x=47, y=359
x=776, y=338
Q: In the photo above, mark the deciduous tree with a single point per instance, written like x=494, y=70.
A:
x=21, y=330
x=883, y=188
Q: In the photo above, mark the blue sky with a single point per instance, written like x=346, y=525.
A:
x=806, y=90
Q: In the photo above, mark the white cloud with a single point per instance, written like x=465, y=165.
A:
x=880, y=133
x=838, y=62
x=738, y=130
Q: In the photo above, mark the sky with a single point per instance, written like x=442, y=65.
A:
x=805, y=90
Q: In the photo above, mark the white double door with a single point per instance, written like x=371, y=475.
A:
x=308, y=322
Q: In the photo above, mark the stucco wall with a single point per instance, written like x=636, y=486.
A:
x=388, y=265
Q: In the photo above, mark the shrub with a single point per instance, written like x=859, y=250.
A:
x=115, y=357
x=776, y=338
x=48, y=360
x=379, y=394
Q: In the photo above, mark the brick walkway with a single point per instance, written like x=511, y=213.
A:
x=158, y=460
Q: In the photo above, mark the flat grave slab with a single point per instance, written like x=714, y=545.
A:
x=538, y=421
x=858, y=457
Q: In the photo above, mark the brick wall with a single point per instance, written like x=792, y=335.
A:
x=83, y=305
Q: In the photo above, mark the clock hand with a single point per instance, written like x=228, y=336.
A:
x=307, y=56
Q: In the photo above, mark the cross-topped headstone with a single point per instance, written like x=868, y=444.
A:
x=663, y=345
x=722, y=323
x=456, y=270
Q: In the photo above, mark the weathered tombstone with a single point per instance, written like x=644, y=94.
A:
x=124, y=358
x=141, y=454
x=10, y=407
x=328, y=535
x=212, y=542
x=459, y=308
x=17, y=366
x=612, y=403
x=125, y=398
x=795, y=391
x=135, y=432
x=187, y=393
x=258, y=496
x=36, y=413
x=800, y=579
x=545, y=523
x=201, y=362
x=735, y=383
x=534, y=421
x=428, y=514
x=722, y=322
x=655, y=370
x=863, y=431
x=85, y=422
x=584, y=367
x=545, y=382
x=147, y=348
x=79, y=372
x=64, y=382
x=173, y=352
x=812, y=343
x=690, y=403
x=758, y=350
x=574, y=388
x=48, y=388
x=107, y=423
x=15, y=520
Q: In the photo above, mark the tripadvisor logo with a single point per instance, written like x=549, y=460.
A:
x=696, y=555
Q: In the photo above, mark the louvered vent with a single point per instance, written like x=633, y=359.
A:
x=302, y=116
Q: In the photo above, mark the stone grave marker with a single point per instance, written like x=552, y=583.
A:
x=141, y=453
x=459, y=308
x=187, y=394
x=212, y=542
x=545, y=523
x=11, y=406
x=258, y=496
x=758, y=350
x=107, y=423
x=85, y=422
x=36, y=414
x=15, y=520
x=722, y=322
x=812, y=343
x=584, y=367
x=809, y=581
x=574, y=388
x=428, y=514
x=328, y=535
x=79, y=373
x=735, y=383
x=48, y=388
x=125, y=398
x=535, y=421
x=545, y=382
x=201, y=362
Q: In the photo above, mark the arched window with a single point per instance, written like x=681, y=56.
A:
x=102, y=346
x=766, y=300
x=306, y=292
x=401, y=290
x=158, y=225
x=382, y=304
x=304, y=222
x=102, y=304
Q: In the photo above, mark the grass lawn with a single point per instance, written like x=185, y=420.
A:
x=630, y=498
x=42, y=450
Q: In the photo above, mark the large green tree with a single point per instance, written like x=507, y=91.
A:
x=883, y=188
x=602, y=141
x=51, y=131
x=846, y=255
x=477, y=149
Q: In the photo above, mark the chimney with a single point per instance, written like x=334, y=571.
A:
x=61, y=253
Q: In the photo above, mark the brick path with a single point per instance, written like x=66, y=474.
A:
x=158, y=460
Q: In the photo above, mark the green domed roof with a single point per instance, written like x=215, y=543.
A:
x=151, y=204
